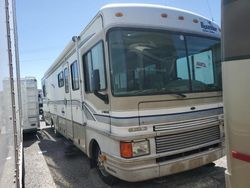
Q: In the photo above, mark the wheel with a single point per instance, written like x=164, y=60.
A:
x=210, y=164
x=105, y=176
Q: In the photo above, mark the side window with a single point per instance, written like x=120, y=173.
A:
x=93, y=60
x=44, y=90
x=74, y=76
x=66, y=80
x=88, y=68
x=60, y=79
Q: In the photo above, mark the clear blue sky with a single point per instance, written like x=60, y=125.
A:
x=46, y=26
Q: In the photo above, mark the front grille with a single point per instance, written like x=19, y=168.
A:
x=187, y=153
x=194, y=124
x=188, y=140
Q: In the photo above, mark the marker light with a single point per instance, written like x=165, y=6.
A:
x=118, y=14
x=195, y=21
x=181, y=17
x=241, y=156
x=164, y=15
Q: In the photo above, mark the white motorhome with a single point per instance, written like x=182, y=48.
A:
x=30, y=104
x=139, y=91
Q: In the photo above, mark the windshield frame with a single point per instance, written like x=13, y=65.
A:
x=162, y=30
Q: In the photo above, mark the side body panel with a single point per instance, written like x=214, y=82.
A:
x=69, y=112
x=236, y=78
x=11, y=148
x=30, y=104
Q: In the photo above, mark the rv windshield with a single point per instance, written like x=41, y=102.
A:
x=145, y=62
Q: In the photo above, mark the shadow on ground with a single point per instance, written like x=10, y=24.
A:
x=72, y=169
x=30, y=138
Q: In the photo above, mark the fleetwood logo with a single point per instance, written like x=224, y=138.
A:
x=208, y=28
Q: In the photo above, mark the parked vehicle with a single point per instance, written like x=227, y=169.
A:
x=40, y=101
x=139, y=91
x=236, y=77
x=30, y=104
x=11, y=144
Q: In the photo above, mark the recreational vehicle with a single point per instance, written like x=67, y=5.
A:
x=236, y=78
x=139, y=91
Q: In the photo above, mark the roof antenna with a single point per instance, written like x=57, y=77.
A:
x=211, y=14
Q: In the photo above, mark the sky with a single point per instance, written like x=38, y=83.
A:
x=45, y=27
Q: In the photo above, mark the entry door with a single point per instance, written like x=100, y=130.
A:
x=67, y=102
x=77, y=105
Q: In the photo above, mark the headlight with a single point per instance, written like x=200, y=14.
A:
x=134, y=148
x=140, y=148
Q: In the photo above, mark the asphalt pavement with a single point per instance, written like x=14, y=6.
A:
x=73, y=170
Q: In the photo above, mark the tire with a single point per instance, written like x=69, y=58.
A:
x=210, y=164
x=104, y=175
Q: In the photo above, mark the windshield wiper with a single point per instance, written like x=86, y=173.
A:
x=144, y=91
x=180, y=94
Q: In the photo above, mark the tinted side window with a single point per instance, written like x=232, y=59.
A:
x=44, y=90
x=94, y=60
x=88, y=68
x=74, y=76
x=60, y=79
x=66, y=80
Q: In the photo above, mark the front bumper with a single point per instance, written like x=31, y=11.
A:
x=134, y=170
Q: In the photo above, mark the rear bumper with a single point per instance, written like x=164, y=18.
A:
x=144, y=169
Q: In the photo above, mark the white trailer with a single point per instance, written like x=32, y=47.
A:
x=30, y=104
x=236, y=79
x=11, y=143
x=139, y=91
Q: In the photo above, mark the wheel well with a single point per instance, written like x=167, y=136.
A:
x=92, y=148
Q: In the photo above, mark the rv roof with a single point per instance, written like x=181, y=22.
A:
x=141, y=5
x=150, y=15
x=147, y=16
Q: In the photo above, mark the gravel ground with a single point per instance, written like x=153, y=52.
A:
x=37, y=173
x=74, y=170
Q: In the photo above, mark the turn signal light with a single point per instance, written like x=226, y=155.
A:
x=126, y=149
